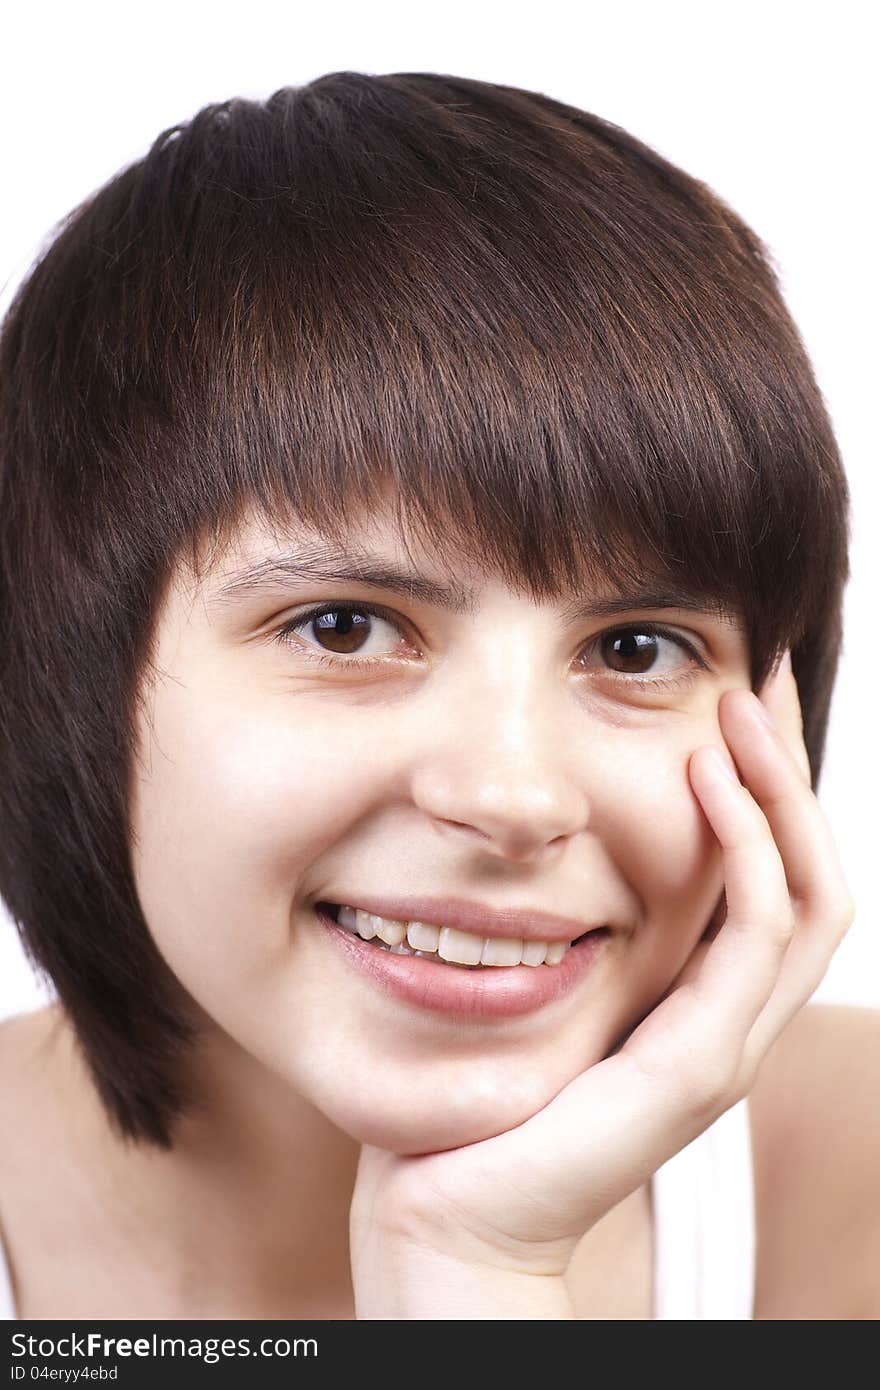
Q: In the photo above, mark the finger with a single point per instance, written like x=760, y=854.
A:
x=694, y=1040
x=822, y=906
x=741, y=964
x=692, y=1046
x=783, y=886
x=780, y=698
x=795, y=818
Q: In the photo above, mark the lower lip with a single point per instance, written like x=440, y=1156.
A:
x=495, y=992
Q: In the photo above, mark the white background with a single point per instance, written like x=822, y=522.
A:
x=770, y=104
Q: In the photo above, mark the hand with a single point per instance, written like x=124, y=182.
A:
x=519, y=1202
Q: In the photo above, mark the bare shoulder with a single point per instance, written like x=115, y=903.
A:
x=816, y=1143
x=25, y=1042
x=23, y=1038
x=19, y=1034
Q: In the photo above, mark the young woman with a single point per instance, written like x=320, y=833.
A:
x=422, y=547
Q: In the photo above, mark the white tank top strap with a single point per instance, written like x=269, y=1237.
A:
x=704, y=1225
x=7, y=1303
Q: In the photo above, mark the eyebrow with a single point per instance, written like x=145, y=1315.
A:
x=317, y=564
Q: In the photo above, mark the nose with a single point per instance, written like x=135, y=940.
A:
x=498, y=775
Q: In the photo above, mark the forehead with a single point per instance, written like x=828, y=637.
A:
x=265, y=555
x=373, y=549
x=377, y=530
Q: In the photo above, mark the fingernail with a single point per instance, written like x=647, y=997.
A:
x=724, y=765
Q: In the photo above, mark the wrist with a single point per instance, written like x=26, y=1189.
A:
x=423, y=1284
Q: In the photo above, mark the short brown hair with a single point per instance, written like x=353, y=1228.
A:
x=555, y=345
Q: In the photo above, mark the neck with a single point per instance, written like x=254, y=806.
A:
x=248, y=1213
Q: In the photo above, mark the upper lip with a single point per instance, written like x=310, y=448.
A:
x=525, y=923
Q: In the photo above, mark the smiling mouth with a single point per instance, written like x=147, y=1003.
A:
x=447, y=946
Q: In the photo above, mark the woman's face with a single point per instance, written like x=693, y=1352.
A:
x=502, y=752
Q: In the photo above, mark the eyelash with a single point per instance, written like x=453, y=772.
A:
x=286, y=636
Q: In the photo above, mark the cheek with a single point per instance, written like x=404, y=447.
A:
x=252, y=785
x=661, y=840
x=231, y=805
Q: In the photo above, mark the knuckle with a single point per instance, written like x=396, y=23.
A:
x=843, y=919
x=835, y=915
x=785, y=925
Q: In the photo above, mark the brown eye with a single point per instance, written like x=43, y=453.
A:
x=644, y=657
x=352, y=633
x=342, y=630
x=632, y=652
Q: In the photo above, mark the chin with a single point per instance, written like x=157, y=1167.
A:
x=410, y=1134
x=428, y=1122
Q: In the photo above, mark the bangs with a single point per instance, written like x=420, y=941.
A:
x=500, y=313
x=541, y=343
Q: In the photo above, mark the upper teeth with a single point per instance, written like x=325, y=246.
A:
x=462, y=947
